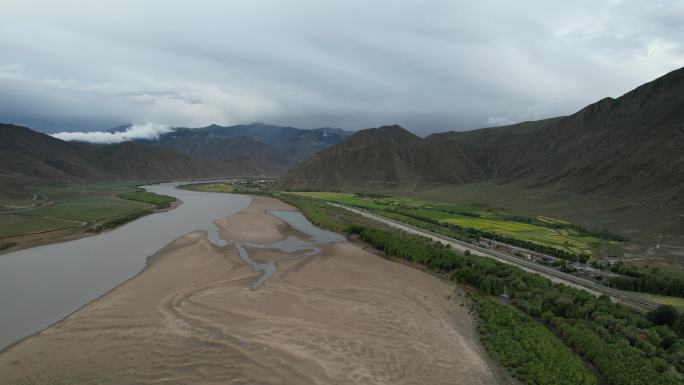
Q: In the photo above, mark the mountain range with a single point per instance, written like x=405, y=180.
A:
x=625, y=147
x=275, y=148
x=628, y=146
x=27, y=156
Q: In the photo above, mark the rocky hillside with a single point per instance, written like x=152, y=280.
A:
x=277, y=146
x=28, y=156
x=620, y=147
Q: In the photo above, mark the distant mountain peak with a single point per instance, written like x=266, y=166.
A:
x=278, y=145
x=27, y=156
x=394, y=133
x=396, y=130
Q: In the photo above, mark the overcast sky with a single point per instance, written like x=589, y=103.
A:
x=428, y=65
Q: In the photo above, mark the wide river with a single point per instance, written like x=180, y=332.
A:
x=42, y=285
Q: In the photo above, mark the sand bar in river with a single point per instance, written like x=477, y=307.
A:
x=343, y=316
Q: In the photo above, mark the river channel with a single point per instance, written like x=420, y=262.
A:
x=40, y=286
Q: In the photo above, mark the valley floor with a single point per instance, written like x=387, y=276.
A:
x=344, y=316
x=653, y=224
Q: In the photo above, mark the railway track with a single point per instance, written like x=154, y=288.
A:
x=558, y=276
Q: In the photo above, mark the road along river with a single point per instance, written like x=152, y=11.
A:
x=41, y=285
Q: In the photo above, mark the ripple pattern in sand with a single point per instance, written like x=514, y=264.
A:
x=332, y=313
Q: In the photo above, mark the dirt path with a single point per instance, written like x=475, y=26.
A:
x=344, y=316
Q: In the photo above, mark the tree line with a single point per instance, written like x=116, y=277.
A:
x=518, y=341
x=653, y=281
x=626, y=347
x=120, y=220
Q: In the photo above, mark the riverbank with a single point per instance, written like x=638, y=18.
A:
x=41, y=285
x=76, y=214
x=343, y=316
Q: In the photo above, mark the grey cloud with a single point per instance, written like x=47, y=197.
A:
x=428, y=65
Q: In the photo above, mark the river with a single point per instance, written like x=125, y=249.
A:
x=40, y=286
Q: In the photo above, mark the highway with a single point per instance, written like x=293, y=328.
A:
x=551, y=273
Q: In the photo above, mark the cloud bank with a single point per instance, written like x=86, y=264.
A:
x=150, y=131
x=428, y=65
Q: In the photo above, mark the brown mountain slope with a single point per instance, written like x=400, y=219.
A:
x=282, y=146
x=382, y=154
x=388, y=156
x=26, y=155
x=203, y=145
x=628, y=146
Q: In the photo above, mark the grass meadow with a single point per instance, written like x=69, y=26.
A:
x=68, y=207
x=542, y=230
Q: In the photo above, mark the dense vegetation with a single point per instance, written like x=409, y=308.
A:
x=667, y=315
x=219, y=187
x=237, y=186
x=625, y=346
x=7, y=245
x=120, y=220
x=519, y=342
x=140, y=195
x=655, y=281
x=470, y=234
x=371, y=195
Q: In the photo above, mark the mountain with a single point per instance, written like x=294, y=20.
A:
x=281, y=147
x=29, y=156
x=388, y=156
x=627, y=146
x=382, y=154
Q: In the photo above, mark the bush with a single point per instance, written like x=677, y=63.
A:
x=120, y=220
x=655, y=281
x=7, y=245
x=664, y=315
x=139, y=195
x=521, y=343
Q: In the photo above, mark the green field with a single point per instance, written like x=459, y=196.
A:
x=142, y=196
x=86, y=207
x=662, y=299
x=11, y=225
x=541, y=230
x=13, y=204
x=563, y=239
x=209, y=187
x=70, y=207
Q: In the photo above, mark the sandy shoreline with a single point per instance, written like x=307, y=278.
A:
x=345, y=316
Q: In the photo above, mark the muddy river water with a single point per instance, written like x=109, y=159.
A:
x=41, y=285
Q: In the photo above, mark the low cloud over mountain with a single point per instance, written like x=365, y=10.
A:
x=429, y=66
x=149, y=131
